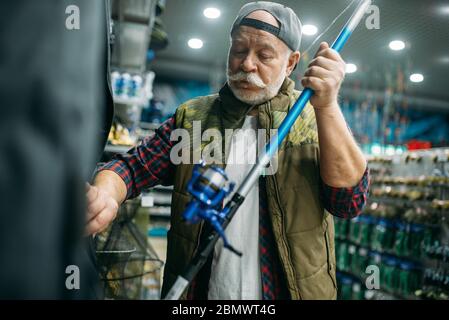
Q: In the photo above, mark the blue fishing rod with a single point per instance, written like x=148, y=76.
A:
x=210, y=185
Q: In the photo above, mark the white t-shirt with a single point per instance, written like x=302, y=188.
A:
x=233, y=277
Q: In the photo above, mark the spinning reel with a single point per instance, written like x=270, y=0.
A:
x=209, y=187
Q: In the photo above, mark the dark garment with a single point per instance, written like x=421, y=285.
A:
x=52, y=95
x=274, y=284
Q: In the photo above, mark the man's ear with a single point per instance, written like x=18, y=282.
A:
x=292, y=62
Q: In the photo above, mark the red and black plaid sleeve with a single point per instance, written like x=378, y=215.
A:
x=346, y=203
x=147, y=164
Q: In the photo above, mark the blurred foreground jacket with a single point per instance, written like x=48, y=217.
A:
x=54, y=118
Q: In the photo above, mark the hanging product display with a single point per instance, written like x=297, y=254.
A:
x=403, y=230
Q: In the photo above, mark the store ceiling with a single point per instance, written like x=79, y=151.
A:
x=421, y=24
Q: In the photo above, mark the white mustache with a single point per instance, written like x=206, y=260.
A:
x=252, y=78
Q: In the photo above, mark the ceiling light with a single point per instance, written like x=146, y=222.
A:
x=351, y=68
x=444, y=59
x=309, y=29
x=444, y=10
x=416, y=77
x=211, y=13
x=195, y=43
x=397, y=45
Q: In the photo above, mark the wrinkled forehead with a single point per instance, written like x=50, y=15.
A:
x=252, y=37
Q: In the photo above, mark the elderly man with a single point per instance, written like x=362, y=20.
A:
x=284, y=227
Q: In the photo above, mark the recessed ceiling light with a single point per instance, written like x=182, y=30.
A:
x=195, y=43
x=211, y=13
x=416, y=77
x=397, y=45
x=351, y=68
x=444, y=9
x=309, y=29
x=444, y=59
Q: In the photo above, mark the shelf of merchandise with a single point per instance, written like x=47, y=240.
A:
x=379, y=294
x=130, y=101
x=149, y=125
x=111, y=148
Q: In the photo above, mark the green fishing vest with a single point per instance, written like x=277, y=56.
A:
x=303, y=229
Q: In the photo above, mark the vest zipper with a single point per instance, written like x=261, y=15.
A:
x=278, y=200
x=328, y=252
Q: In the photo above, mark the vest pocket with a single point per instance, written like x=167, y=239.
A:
x=312, y=261
x=318, y=286
x=308, y=251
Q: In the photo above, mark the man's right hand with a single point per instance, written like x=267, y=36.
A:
x=102, y=209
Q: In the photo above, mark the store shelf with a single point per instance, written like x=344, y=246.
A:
x=149, y=125
x=381, y=293
x=163, y=212
x=401, y=202
x=406, y=203
x=161, y=198
x=117, y=148
x=417, y=260
x=395, y=179
x=130, y=101
x=163, y=188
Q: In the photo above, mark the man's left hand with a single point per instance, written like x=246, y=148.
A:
x=325, y=75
